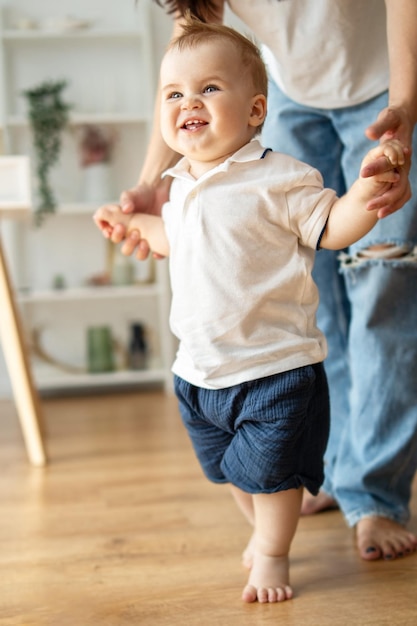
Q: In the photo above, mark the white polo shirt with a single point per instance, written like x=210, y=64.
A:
x=242, y=243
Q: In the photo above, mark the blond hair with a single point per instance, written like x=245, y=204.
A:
x=196, y=32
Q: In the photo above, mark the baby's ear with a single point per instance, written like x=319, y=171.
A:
x=258, y=110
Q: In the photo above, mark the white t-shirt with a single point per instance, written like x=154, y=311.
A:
x=242, y=244
x=321, y=53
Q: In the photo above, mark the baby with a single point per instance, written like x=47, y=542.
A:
x=241, y=228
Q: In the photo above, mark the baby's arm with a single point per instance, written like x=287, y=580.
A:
x=150, y=227
x=351, y=216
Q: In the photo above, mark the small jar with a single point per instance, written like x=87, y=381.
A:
x=138, y=348
x=100, y=349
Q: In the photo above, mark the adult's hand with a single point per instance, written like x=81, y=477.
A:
x=392, y=123
x=140, y=199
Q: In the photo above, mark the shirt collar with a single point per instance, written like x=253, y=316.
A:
x=252, y=151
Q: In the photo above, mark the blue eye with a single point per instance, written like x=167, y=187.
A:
x=174, y=95
x=210, y=89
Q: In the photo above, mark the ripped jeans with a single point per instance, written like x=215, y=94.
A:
x=368, y=312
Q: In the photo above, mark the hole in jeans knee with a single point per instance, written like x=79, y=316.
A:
x=393, y=254
x=385, y=251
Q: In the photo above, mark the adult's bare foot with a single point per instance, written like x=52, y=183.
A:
x=382, y=538
x=315, y=504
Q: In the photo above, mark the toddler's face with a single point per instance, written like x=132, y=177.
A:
x=207, y=103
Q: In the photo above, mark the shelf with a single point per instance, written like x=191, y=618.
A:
x=107, y=60
x=15, y=211
x=110, y=292
x=78, y=119
x=70, y=209
x=42, y=34
x=76, y=209
x=66, y=209
x=50, y=378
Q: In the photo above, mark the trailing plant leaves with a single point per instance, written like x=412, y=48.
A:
x=48, y=115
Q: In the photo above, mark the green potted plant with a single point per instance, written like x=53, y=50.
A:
x=48, y=115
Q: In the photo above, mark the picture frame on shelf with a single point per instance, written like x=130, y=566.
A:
x=15, y=185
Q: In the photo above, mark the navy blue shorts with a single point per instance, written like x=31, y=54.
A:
x=263, y=436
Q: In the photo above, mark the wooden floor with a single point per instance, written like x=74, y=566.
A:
x=122, y=529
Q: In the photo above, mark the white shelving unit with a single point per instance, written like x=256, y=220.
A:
x=107, y=63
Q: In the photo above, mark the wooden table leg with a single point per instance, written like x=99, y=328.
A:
x=17, y=361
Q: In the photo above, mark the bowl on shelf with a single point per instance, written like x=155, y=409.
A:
x=66, y=23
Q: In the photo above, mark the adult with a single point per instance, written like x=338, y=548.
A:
x=342, y=74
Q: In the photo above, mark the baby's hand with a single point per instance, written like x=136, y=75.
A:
x=382, y=174
x=107, y=217
x=384, y=161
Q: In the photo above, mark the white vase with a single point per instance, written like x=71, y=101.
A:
x=97, y=184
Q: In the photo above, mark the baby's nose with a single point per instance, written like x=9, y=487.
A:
x=191, y=102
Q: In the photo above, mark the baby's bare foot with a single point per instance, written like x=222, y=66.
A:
x=315, y=504
x=268, y=580
x=382, y=538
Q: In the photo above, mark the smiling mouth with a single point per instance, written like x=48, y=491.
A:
x=193, y=124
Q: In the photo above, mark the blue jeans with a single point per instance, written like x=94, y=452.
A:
x=368, y=312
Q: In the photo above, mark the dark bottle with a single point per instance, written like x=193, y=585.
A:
x=138, y=348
